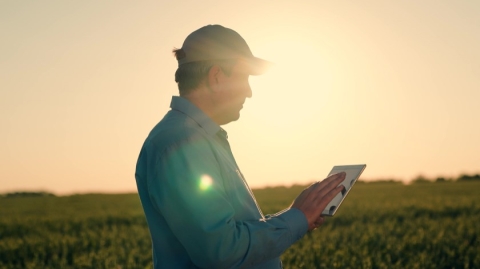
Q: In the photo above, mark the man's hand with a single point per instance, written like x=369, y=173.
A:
x=315, y=198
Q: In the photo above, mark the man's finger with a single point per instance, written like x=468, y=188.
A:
x=329, y=179
x=324, y=200
x=329, y=183
x=315, y=187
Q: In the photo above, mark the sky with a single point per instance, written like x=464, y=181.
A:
x=392, y=84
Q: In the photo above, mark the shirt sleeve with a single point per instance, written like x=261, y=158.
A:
x=186, y=187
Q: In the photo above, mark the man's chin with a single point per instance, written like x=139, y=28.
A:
x=231, y=118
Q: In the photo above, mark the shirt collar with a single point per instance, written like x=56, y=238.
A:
x=183, y=105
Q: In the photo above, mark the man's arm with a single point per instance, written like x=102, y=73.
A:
x=187, y=188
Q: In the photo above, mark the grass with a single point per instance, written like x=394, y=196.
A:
x=380, y=225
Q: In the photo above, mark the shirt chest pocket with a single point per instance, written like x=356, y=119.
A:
x=241, y=197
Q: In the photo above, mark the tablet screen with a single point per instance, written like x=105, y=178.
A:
x=353, y=172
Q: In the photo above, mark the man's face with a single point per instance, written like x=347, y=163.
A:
x=232, y=91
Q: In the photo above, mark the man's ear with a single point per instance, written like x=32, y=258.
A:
x=214, y=77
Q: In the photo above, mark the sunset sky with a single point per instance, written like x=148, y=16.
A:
x=392, y=84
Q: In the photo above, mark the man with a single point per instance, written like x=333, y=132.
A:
x=200, y=211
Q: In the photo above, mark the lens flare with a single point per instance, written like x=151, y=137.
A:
x=205, y=182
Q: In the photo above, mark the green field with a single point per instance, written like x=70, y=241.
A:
x=380, y=225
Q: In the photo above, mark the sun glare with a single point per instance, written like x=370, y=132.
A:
x=205, y=182
x=298, y=81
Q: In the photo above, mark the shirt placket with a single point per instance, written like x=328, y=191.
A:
x=223, y=137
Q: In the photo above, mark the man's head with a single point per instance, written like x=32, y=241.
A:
x=214, y=64
x=209, y=45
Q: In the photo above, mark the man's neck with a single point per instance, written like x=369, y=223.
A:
x=201, y=98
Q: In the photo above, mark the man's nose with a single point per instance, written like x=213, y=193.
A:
x=249, y=91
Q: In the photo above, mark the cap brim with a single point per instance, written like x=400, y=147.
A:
x=256, y=66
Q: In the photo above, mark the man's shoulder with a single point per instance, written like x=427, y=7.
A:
x=173, y=130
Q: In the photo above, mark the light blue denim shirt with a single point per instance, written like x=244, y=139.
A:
x=200, y=211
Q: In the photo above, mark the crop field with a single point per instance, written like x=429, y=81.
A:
x=380, y=225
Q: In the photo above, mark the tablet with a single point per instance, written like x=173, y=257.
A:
x=353, y=172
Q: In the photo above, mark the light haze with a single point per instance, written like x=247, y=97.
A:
x=393, y=84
